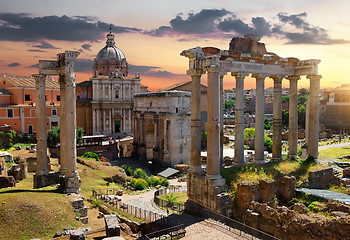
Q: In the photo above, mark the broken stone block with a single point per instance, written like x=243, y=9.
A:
x=7, y=181
x=18, y=147
x=120, y=193
x=338, y=214
x=112, y=225
x=58, y=233
x=300, y=208
x=78, y=203
x=82, y=212
x=346, y=172
x=77, y=234
x=14, y=171
x=84, y=220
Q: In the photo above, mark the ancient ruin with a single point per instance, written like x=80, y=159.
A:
x=245, y=56
x=68, y=176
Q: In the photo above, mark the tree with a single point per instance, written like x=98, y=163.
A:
x=53, y=137
x=285, y=99
x=267, y=125
x=172, y=199
x=285, y=118
x=79, y=136
x=229, y=104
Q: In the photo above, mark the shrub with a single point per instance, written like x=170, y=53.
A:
x=138, y=183
x=268, y=143
x=154, y=181
x=164, y=182
x=79, y=135
x=96, y=203
x=53, y=137
x=91, y=155
x=140, y=173
x=313, y=207
x=129, y=171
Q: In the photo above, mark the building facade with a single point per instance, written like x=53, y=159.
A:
x=18, y=103
x=162, y=126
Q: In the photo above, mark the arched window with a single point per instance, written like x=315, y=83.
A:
x=30, y=130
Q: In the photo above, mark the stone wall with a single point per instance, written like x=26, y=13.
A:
x=320, y=179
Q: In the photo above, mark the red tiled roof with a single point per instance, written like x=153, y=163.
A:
x=29, y=82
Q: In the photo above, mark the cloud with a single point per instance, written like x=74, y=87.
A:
x=161, y=73
x=140, y=69
x=210, y=23
x=34, y=66
x=36, y=50
x=203, y=22
x=303, y=32
x=15, y=64
x=86, y=46
x=83, y=65
x=45, y=45
x=25, y=28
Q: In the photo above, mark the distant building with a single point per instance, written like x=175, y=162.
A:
x=335, y=108
x=162, y=126
x=17, y=103
x=105, y=102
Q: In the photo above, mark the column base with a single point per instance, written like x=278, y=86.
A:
x=292, y=156
x=46, y=180
x=214, y=177
x=276, y=159
x=195, y=169
x=258, y=161
x=72, y=184
x=165, y=156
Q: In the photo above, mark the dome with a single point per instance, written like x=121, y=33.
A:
x=110, y=59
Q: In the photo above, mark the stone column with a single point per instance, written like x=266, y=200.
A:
x=156, y=139
x=213, y=142
x=63, y=157
x=221, y=119
x=277, y=118
x=110, y=121
x=259, y=118
x=196, y=137
x=314, y=115
x=41, y=135
x=73, y=179
x=293, y=116
x=104, y=129
x=239, y=117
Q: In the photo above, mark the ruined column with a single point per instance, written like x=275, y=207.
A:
x=195, y=164
x=41, y=151
x=259, y=118
x=63, y=157
x=213, y=140
x=293, y=116
x=221, y=101
x=314, y=113
x=277, y=118
x=72, y=180
x=239, y=117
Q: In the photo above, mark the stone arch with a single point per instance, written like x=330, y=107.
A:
x=149, y=140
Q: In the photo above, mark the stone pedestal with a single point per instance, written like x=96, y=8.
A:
x=207, y=193
x=46, y=180
x=72, y=184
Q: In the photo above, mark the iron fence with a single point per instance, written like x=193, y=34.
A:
x=176, y=231
x=109, y=197
x=176, y=207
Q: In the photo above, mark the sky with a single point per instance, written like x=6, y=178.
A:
x=153, y=33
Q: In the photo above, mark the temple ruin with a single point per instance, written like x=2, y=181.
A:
x=245, y=56
x=68, y=175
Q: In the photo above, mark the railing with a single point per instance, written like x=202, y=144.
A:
x=176, y=207
x=176, y=231
x=235, y=226
x=108, y=196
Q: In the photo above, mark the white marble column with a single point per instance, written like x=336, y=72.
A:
x=124, y=120
x=213, y=140
x=63, y=156
x=314, y=115
x=196, y=137
x=41, y=135
x=293, y=116
x=277, y=118
x=259, y=118
x=239, y=117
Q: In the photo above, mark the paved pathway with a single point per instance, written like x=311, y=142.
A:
x=327, y=194
x=345, y=144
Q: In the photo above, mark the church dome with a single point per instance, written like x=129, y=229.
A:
x=110, y=59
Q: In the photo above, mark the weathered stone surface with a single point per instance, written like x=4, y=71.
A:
x=181, y=167
x=120, y=193
x=126, y=229
x=82, y=211
x=77, y=234
x=14, y=171
x=84, y=220
x=46, y=180
x=338, y=214
x=268, y=190
x=300, y=208
x=114, y=238
x=320, y=179
x=23, y=172
x=246, y=194
x=31, y=164
x=346, y=172
x=7, y=181
x=286, y=188
x=112, y=225
x=78, y=203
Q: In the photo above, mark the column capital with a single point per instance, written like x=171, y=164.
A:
x=213, y=69
x=195, y=72
x=314, y=77
x=259, y=76
x=239, y=74
x=293, y=77
x=277, y=78
x=39, y=77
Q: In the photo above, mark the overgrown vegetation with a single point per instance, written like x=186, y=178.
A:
x=12, y=138
x=91, y=155
x=249, y=135
x=53, y=136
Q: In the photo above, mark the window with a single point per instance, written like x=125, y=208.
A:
x=117, y=94
x=45, y=97
x=26, y=97
x=10, y=113
x=150, y=104
x=204, y=116
x=30, y=129
x=54, y=112
x=58, y=98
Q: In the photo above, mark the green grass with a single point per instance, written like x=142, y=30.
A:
x=27, y=213
x=181, y=197
x=335, y=152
